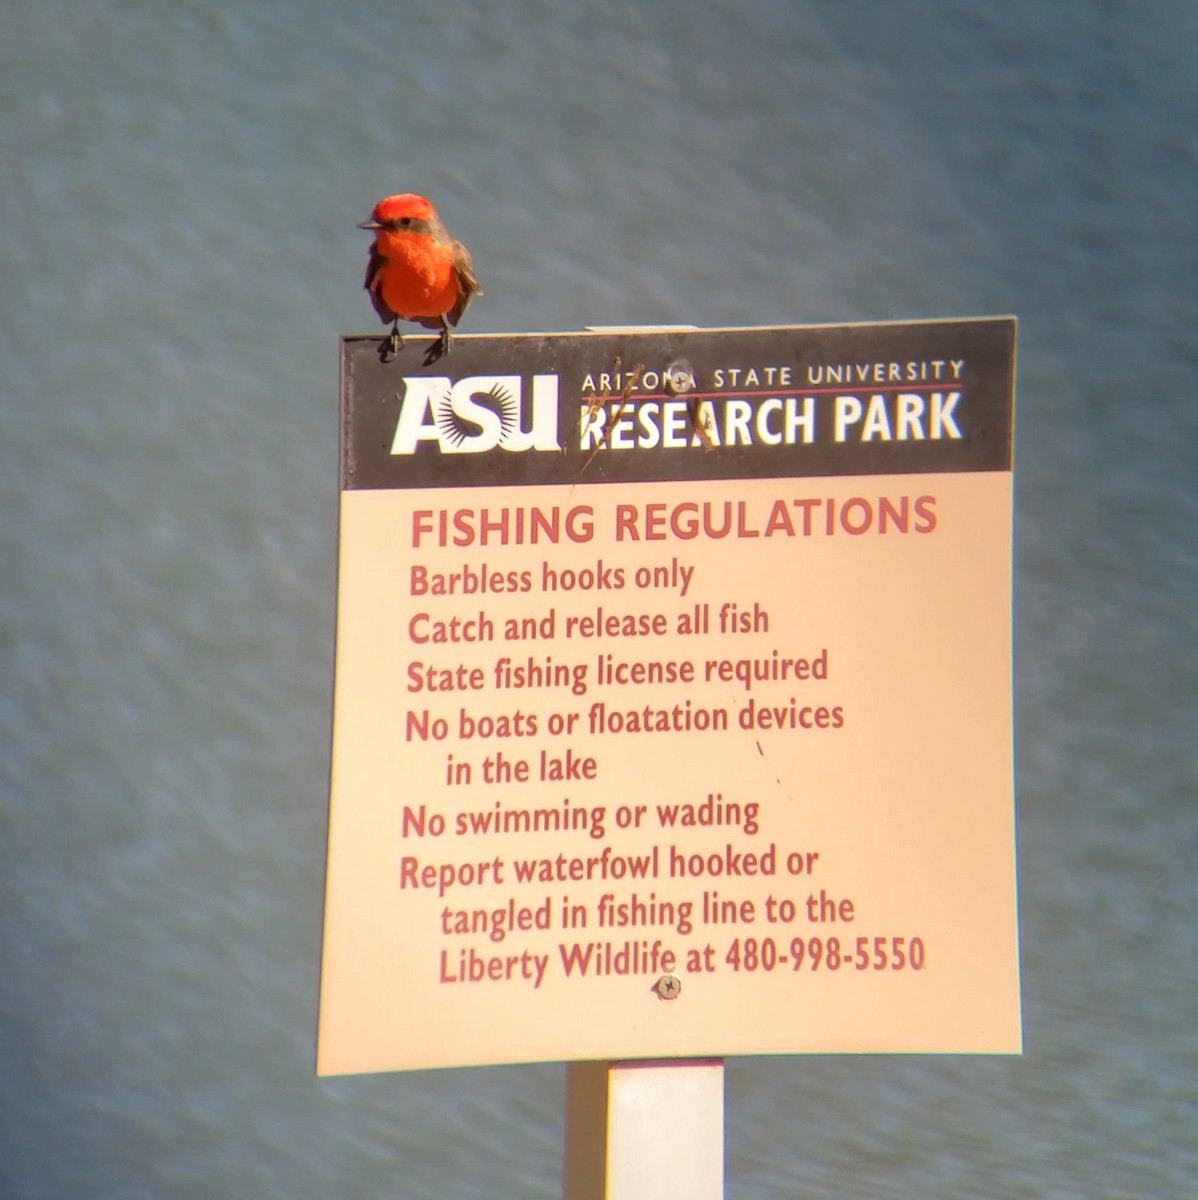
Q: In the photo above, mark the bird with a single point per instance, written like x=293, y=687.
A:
x=416, y=271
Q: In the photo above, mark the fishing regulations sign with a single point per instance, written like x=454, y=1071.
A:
x=673, y=701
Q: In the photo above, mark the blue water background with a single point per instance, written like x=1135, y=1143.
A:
x=177, y=260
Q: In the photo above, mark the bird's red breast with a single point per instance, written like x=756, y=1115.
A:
x=416, y=271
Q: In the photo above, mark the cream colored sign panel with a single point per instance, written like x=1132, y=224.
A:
x=672, y=769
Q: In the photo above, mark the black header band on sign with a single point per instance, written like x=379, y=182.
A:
x=673, y=404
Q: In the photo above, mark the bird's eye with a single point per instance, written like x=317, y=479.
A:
x=404, y=222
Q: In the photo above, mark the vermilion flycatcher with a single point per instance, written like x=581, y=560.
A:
x=416, y=272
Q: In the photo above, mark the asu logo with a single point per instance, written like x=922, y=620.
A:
x=480, y=413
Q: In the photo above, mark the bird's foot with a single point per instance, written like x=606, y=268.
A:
x=440, y=348
x=390, y=346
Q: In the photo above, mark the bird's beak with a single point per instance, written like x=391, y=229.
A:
x=369, y=223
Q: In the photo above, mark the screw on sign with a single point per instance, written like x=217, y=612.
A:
x=679, y=377
x=668, y=987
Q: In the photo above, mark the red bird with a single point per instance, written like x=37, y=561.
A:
x=416, y=271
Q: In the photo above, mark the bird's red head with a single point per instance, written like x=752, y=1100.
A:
x=391, y=210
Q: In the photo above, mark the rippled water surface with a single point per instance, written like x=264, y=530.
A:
x=177, y=261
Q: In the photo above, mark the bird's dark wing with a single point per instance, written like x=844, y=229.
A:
x=467, y=284
x=373, y=266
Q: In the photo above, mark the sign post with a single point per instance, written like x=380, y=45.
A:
x=635, y=1130
x=673, y=702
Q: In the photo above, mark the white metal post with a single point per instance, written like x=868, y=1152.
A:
x=637, y=1129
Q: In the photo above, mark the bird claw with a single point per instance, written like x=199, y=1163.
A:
x=390, y=346
x=440, y=348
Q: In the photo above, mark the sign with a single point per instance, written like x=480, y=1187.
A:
x=673, y=698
